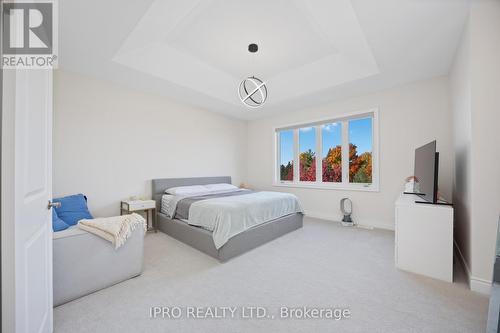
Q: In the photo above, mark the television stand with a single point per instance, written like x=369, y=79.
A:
x=424, y=238
x=434, y=203
x=440, y=202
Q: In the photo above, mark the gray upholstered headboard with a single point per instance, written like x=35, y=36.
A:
x=160, y=185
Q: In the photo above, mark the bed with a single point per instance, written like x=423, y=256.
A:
x=203, y=239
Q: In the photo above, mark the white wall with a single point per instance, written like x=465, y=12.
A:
x=461, y=109
x=476, y=108
x=110, y=141
x=485, y=134
x=409, y=117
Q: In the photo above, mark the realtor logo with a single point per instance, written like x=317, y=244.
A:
x=29, y=34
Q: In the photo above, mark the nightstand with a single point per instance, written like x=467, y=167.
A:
x=146, y=206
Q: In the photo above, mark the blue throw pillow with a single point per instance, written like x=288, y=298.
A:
x=73, y=209
x=57, y=223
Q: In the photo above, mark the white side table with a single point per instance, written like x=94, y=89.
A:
x=146, y=206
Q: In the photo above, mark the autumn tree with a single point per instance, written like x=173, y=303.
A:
x=360, y=166
x=332, y=165
x=307, y=161
x=286, y=172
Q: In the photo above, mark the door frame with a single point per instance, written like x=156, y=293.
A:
x=1, y=157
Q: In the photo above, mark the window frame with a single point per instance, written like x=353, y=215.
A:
x=316, y=124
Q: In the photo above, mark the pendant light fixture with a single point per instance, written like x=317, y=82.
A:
x=252, y=90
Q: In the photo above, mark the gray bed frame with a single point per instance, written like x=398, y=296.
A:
x=202, y=240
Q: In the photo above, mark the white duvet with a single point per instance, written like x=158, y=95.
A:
x=228, y=216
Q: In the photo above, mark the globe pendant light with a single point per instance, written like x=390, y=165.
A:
x=252, y=90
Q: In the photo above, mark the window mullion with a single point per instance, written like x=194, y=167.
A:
x=296, y=169
x=319, y=155
x=345, y=152
x=277, y=157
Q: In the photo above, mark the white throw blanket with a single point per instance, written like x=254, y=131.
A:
x=116, y=229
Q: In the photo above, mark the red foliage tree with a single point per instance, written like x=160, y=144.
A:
x=360, y=167
x=289, y=174
x=307, y=161
x=332, y=165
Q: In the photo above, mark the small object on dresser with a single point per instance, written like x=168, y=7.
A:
x=411, y=185
x=346, y=209
x=146, y=206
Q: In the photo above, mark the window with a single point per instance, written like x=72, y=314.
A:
x=360, y=150
x=307, y=155
x=286, y=155
x=333, y=153
x=331, y=142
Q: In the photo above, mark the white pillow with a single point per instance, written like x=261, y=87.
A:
x=187, y=190
x=167, y=204
x=220, y=187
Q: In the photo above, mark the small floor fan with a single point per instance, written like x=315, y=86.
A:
x=346, y=209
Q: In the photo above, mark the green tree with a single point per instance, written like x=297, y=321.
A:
x=361, y=176
x=307, y=166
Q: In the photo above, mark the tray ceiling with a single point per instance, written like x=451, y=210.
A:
x=310, y=52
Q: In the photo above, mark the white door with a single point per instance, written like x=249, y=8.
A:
x=33, y=190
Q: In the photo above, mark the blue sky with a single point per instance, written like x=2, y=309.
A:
x=331, y=135
x=360, y=133
x=286, y=141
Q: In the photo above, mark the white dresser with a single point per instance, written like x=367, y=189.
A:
x=424, y=238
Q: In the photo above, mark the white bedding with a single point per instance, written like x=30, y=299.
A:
x=229, y=216
x=169, y=201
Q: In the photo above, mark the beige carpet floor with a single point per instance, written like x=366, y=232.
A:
x=322, y=265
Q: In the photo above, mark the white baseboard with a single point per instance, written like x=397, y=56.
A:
x=361, y=224
x=463, y=262
x=475, y=284
x=480, y=285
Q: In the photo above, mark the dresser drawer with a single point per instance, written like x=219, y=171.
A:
x=138, y=205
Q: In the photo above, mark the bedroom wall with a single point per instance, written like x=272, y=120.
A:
x=476, y=100
x=110, y=141
x=461, y=109
x=409, y=116
x=485, y=134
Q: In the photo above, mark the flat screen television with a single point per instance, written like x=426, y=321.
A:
x=426, y=172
